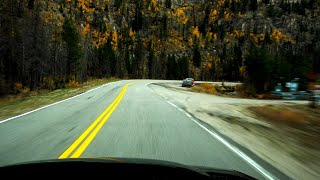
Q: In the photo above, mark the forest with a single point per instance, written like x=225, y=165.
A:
x=48, y=44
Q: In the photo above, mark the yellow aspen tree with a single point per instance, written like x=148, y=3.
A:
x=132, y=34
x=85, y=30
x=215, y=36
x=213, y=16
x=196, y=32
x=181, y=16
x=227, y=15
x=114, y=40
x=85, y=4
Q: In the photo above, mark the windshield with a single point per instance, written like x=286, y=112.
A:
x=112, y=79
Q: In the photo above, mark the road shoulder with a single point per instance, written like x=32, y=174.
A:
x=233, y=119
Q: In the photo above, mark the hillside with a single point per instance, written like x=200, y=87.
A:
x=47, y=44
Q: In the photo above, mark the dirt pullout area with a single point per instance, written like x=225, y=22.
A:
x=284, y=133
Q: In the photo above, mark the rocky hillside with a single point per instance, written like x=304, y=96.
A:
x=45, y=44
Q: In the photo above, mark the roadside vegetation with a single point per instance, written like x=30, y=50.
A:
x=25, y=100
x=238, y=91
x=214, y=89
x=206, y=88
x=299, y=125
x=291, y=131
x=300, y=116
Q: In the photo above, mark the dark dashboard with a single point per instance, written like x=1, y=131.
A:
x=115, y=168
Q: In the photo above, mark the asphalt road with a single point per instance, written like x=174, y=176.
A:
x=138, y=123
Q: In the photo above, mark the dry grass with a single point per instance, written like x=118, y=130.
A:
x=242, y=91
x=286, y=114
x=24, y=102
x=298, y=123
x=206, y=88
x=73, y=84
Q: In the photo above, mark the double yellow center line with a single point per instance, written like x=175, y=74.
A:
x=78, y=146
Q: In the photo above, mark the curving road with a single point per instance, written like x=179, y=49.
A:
x=121, y=119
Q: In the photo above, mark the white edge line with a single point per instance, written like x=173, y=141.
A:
x=56, y=102
x=231, y=147
x=225, y=142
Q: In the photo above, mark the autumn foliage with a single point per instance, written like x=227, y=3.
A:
x=69, y=41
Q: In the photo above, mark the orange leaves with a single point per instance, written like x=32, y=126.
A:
x=114, y=40
x=51, y=16
x=213, y=16
x=261, y=37
x=254, y=38
x=198, y=37
x=18, y=86
x=257, y=38
x=59, y=24
x=85, y=4
x=196, y=32
x=278, y=37
x=115, y=37
x=73, y=84
x=175, y=42
x=85, y=30
x=95, y=33
x=154, y=2
x=132, y=34
x=209, y=36
x=221, y=3
x=289, y=40
x=53, y=13
x=202, y=45
x=180, y=14
x=236, y=34
x=154, y=6
x=46, y=21
x=227, y=15
x=214, y=13
x=99, y=38
x=215, y=36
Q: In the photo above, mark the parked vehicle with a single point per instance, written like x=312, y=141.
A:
x=188, y=82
